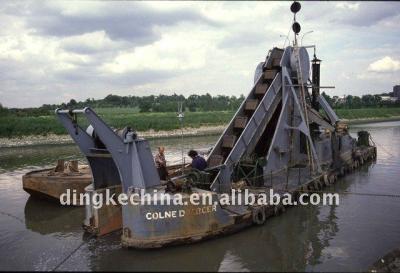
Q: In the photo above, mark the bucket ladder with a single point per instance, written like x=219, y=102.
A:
x=248, y=124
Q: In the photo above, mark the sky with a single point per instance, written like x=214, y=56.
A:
x=51, y=52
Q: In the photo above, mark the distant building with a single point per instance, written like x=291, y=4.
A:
x=339, y=100
x=396, y=91
x=389, y=98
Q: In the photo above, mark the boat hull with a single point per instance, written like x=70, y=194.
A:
x=45, y=185
x=157, y=226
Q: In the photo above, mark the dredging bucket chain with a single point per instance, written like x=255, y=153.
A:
x=250, y=121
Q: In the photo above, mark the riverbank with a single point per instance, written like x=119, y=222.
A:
x=13, y=126
x=149, y=134
x=371, y=120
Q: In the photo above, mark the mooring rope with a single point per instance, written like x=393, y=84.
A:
x=315, y=191
x=356, y=193
x=73, y=252
x=12, y=216
x=380, y=146
x=344, y=192
x=68, y=256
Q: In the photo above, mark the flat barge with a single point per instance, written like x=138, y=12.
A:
x=51, y=183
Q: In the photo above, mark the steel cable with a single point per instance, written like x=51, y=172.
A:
x=72, y=252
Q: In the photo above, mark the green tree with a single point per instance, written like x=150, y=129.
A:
x=349, y=101
x=72, y=103
x=3, y=110
x=368, y=100
x=357, y=102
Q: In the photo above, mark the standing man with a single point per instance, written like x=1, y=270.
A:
x=198, y=162
x=161, y=163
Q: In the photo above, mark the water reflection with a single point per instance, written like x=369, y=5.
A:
x=46, y=217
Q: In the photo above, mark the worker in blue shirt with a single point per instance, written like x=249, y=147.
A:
x=198, y=162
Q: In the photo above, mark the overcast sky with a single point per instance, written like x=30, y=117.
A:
x=53, y=51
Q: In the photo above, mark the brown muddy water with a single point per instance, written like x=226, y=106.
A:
x=36, y=235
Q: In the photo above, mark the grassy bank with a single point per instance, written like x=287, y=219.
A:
x=11, y=126
x=367, y=113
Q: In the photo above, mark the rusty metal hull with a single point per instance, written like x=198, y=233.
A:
x=130, y=242
x=153, y=226
x=160, y=226
x=43, y=184
x=106, y=219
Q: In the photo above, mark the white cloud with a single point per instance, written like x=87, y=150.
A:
x=345, y=5
x=177, y=50
x=386, y=64
x=56, y=51
x=26, y=49
x=90, y=43
x=91, y=8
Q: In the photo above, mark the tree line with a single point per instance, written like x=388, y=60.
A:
x=356, y=102
x=160, y=103
x=192, y=103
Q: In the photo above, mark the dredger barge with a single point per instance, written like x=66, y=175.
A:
x=284, y=137
x=51, y=183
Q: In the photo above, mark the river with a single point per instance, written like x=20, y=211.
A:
x=37, y=235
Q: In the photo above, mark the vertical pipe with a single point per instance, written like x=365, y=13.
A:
x=316, y=82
